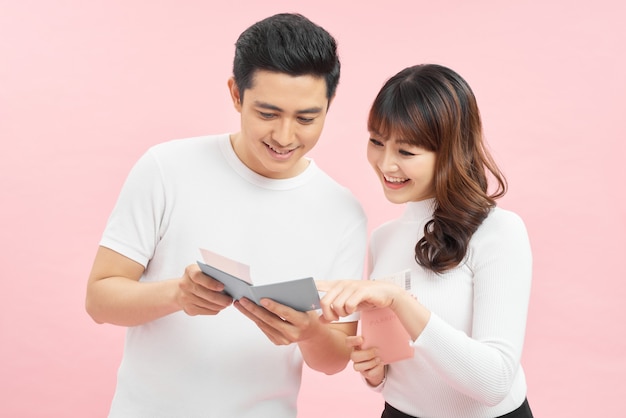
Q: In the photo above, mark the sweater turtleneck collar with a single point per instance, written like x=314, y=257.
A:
x=418, y=211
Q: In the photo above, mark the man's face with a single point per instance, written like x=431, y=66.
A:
x=281, y=120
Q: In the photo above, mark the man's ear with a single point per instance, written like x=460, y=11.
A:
x=234, y=93
x=329, y=103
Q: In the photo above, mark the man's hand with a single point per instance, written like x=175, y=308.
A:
x=200, y=294
x=281, y=324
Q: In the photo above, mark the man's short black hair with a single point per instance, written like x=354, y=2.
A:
x=286, y=43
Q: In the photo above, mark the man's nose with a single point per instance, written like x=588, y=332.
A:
x=285, y=133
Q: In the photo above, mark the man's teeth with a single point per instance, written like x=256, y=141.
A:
x=395, y=179
x=278, y=151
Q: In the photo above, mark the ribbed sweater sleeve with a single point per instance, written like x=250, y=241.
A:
x=483, y=363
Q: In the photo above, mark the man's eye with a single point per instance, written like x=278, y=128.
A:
x=306, y=121
x=265, y=115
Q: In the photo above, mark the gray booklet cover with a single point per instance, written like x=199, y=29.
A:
x=299, y=294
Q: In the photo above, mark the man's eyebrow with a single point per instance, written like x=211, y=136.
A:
x=269, y=106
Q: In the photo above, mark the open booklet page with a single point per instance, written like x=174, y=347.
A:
x=381, y=327
x=299, y=294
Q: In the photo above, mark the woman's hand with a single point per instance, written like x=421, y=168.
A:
x=366, y=362
x=343, y=297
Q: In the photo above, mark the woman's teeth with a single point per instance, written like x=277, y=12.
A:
x=395, y=179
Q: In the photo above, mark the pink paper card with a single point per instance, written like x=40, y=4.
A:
x=232, y=267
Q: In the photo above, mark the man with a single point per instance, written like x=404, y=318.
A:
x=251, y=196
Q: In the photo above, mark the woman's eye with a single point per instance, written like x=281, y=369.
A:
x=376, y=142
x=406, y=153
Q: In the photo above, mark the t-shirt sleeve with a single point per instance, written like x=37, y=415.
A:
x=350, y=260
x=133, y=228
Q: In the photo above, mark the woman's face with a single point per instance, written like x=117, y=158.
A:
x=407, y=172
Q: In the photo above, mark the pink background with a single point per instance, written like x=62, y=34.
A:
x=86, y=87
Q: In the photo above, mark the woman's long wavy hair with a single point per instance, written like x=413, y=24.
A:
x=435, y=108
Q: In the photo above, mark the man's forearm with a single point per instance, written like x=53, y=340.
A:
x=328, y=352
x=125, y=302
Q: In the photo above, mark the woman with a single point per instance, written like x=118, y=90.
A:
x=470, y=262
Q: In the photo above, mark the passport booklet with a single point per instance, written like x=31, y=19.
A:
x=298, y=294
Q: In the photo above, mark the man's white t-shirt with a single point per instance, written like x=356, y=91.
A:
x=195, y=193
